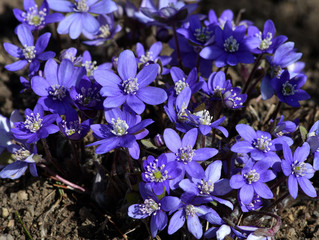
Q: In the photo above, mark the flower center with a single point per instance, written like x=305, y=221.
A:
x=185, y=154
x=33, y=123
x=71, y=127
x=231, y=99
x=149, y=206
x=33, y=17
x=288, y=89
x=29, y=52
x=182, y=115
x=81, y=6
x=104, y=31
x=252, y=176
x=90, y=67
x=202, y=34
x=88, y=95
x=204, y=117
x=21, y=154
x=57, y=92
x=255, y=204
x=262, y=144
x=119, y=127
x=205, y=187
x=299, y=169
x=275, y=71
x=130, y=86
x=180, y=85
x=190, y=210
x=266, y=42
x=231, y=45
x=148, y=57
x=155, y=173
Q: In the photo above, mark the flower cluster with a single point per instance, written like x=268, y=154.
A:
x=203, y=156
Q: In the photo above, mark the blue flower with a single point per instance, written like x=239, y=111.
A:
x=297, y=171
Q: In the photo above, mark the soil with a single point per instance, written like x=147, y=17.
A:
x=49, y=212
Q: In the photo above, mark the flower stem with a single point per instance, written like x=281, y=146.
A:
x=177, y=46
x=252, y=73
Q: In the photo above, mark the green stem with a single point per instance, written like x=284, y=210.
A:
x=24, y=227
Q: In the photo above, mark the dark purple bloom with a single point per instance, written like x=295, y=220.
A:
x=254, y=205
x=30, y=53
x=230, y=47
x=288, y=89
x=297, y=171
x=183, y=152
x=72, y=128
x=158, y=172
x=122, y=130
x=259, y=144
x=154, y=208
x=81, y=17
x=265, y=42
x=24, y=158
x=54, y=88
x=252, y=180
x=210, y=186
x=233, y=98
x=152, y=56
x=313, y=141
x=36, y=18
x=130, y=87
x=36, y=126
x=108, y=28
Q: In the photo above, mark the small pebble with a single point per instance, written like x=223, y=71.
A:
x=4, y=212
x=22, y=195
x=11, y=223
x=6, y=237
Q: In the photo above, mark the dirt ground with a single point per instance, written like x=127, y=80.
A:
x=50, y=213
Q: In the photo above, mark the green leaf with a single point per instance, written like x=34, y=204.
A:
x=303, y=133
x=148, y=144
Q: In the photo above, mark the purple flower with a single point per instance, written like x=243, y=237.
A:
x=183, y=152
x=54, y=89
x=230, y=47
x=81, y=17
x=265, y=42
x=297, y=171
x=209, y=186
x=233, y=98
x=259, y=144
x=158, y=172
x=152, y=56
x=283, y=128
x=122, y=130
x=24, y=158
x=252, y=180
x=70, y=54
x=254, y=205
x=130, y=87
x=154, y=208
x=288, y=89
x=313, y=141
x=108, y=28
x=91, y=66
x=72, y=128
x=36, y=126
x=30, y=53
x=36, y=18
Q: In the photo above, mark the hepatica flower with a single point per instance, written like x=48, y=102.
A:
x=297, y=171
x=36, y=126
x=122, y=130
x=36, y=18
x=80, y=17
x=230, y=47
x=313, y=141
x=252, y=180
x=128, y=86
x=288, y=90
x=54, y=88
x=158, y=172
x=30, y=53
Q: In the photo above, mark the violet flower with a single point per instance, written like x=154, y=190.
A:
x=230, y=47
x=259, y=144
x=54, y=88
x=183, y=152
x=313, y=141
x=154, y=208
x=80, y=15
x=130, y=87
x=122, y=130
x=36, y=18
x=30, y=53
x=90, y=65
x=288, y=89
x=36, y=126
x=108, y=28
x=252, y=180
x=24, y=158
x=297, y=171
x=283, y=128
x=70, y=54
x=158, y=172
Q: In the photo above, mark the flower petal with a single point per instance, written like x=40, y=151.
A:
x=127, y=66
x=152, y=95
x=172, y=140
